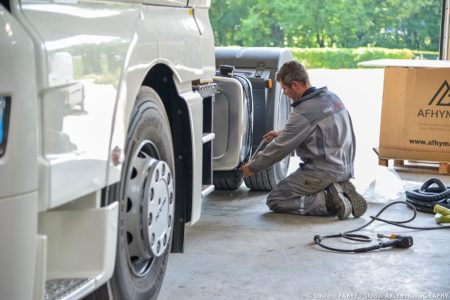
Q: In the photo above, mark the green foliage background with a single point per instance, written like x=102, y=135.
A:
x=336, y=58
x=347, y=31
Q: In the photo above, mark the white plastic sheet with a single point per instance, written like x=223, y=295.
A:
x=380, y=185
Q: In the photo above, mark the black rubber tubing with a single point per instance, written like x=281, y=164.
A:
x=428, y=193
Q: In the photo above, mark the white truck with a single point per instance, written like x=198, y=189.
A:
x=109, y=111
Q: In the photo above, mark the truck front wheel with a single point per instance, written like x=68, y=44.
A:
x=147, y=202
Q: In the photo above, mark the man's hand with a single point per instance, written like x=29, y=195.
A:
x=245, y=169
x=270, y=135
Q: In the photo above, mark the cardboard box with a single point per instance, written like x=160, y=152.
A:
x=415, y=114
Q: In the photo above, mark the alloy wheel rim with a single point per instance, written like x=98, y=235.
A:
x=149, y=208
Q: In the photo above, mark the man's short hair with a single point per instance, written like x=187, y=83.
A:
x=292, y=71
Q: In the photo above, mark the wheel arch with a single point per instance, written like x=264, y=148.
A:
x=161, y=79
x=161, y=76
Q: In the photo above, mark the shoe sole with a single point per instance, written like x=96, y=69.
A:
x=343, y=207
x=359, y=204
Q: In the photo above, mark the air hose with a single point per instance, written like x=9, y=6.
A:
x=403, y=242
x=432, y=192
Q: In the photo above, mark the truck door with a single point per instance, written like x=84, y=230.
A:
x=81, y=51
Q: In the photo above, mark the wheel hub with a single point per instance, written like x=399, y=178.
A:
x=150, y=207
x=157, y=213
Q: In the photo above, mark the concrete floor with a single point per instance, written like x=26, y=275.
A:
x=240, y=250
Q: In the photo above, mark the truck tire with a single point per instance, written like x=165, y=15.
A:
x=228, y=183
x=267, y=179
x=147, y=201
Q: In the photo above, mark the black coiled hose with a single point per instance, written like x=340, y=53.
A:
x=427, y=196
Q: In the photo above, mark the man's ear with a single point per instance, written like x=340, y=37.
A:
x=297, y=85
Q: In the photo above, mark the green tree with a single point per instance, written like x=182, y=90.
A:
x=264, y=25
x=409, y=24
x=226, y=17
x=328, y=23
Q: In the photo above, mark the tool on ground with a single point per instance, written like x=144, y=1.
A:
x=397, y=241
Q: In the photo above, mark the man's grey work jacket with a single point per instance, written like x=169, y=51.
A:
x=320, y=129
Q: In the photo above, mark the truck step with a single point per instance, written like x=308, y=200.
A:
x=207, y=137
x=68, y=288
x=206, y=89
x=207, y=189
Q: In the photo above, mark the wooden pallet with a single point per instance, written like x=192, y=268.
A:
x=414, y=166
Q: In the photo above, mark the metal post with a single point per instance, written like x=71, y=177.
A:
x=444, y=44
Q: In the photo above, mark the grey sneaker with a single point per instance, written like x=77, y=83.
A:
x=339, y=204
x=359, y=204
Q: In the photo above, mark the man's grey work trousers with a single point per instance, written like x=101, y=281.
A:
x=302, y=193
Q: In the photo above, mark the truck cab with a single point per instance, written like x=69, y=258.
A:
x=107, y=115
